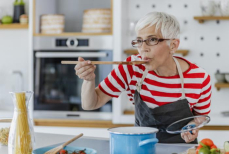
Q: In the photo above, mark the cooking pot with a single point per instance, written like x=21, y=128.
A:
x=133, y=140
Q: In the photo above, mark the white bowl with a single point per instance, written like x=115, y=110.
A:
x=220, y=77
x=224, y=7
x=208, y=7
x=227, y=77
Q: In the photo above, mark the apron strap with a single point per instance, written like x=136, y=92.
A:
x=139, y=84
x=181, y=77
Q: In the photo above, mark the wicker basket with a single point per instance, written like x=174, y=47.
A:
x=52, y=23
x=97, y=21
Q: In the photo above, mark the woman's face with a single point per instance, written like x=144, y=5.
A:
x=155, y=55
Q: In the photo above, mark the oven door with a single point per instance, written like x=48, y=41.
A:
x=56, y=86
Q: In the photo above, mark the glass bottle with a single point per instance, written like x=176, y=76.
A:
x=21, y=137
x=19, y=9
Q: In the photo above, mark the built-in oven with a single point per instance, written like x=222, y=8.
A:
x=57, y=89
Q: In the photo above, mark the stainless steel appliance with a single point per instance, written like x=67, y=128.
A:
x=57, y=88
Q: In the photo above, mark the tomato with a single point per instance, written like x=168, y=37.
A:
x=82, y=152
x=198, y=148
x=207, y=142
x=204, y=150
x=213, y=147
x=63, y=151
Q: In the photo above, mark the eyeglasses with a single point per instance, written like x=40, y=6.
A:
x=149, y=41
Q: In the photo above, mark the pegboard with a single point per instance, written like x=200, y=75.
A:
x=207, y=43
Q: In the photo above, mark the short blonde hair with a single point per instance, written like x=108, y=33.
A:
x=168, y=24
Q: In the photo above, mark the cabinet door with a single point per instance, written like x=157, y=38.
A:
x=14, y=59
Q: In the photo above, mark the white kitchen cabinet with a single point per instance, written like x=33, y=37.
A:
x=14, y=50
x=120, y=39
x=14, y=61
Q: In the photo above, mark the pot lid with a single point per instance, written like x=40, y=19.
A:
x=188, y=124
x=133, y=130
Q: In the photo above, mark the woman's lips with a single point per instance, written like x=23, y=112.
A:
x=146, y=59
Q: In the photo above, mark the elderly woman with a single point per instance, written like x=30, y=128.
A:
x=164, y=90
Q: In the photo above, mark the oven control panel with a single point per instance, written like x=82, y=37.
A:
x=72, y=42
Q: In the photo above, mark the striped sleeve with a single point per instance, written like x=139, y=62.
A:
x=118, y=80
x=202, y=107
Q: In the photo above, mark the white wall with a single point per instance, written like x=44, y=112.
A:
x=7, y=7
x=14, y=49
x=215, y=51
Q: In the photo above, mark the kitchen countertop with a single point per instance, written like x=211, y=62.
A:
x=99, y=144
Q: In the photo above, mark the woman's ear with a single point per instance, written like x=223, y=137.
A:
x=174, y=45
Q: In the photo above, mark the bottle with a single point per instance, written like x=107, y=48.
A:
x=21, y=137
x=19, y=9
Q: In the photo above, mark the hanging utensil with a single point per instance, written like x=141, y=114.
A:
x=108, y=62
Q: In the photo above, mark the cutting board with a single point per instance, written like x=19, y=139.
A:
x=193, y=151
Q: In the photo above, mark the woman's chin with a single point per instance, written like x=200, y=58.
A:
x=149, y=67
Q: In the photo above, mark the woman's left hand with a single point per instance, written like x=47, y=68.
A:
x=188, y=137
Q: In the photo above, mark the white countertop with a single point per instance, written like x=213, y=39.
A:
x=100, y=144
x=43, y=140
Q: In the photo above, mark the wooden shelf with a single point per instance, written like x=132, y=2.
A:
x=72, y=34
x=221, y=85
x=14, y=26
x=201, y=19
x=98, y=124
x=78, y=123
x=128, y=112
x=134, y=51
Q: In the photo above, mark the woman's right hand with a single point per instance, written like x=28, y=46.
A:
x=85, y=70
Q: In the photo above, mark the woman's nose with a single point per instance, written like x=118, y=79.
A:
x=144, y=47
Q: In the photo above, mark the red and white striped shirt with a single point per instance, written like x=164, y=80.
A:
x=157, y=90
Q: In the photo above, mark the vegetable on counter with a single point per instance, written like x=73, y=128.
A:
x=226, y=147
x=207, y=146
x=74, y=152
x=7, y=19
x=4, y=134
x=63, y=151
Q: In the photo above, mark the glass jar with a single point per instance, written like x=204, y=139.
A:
x=4, y=131
x=224, y=7
x=21, y=136
x=208, y=7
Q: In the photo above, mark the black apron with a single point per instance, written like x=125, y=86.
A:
x=162, y=116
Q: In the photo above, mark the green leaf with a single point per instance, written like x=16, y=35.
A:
x=204, y=145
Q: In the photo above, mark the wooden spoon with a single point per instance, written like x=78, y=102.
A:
x=108, y=62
